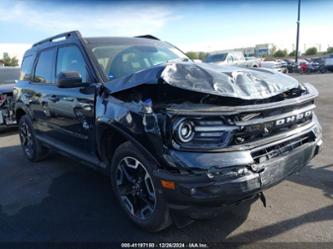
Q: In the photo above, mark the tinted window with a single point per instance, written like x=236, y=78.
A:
x=43, y=72
x=70, y=59
x=26, y=68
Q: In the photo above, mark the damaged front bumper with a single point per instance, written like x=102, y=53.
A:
x=230, y=177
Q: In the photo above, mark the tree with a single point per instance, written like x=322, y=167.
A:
x=311, y=51
x=202, y=55
x=10, y=61
x=280, y=53
x=292, y=53
x=192, y=55
x=330, y=50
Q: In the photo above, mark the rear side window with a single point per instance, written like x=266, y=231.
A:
x=70, y=59
x=43, y=71
x=26, y=67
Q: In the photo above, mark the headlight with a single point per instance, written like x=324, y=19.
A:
x=185, y=131
x=198, y=132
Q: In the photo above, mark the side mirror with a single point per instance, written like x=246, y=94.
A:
x=69, y=80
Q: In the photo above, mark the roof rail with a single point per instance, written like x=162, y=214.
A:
x=66, y=35
x=147, y=37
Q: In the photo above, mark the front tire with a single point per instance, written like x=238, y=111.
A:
x=136, y=189
x=32, y=148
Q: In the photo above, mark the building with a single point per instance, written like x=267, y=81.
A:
x=2, y=63
x=260, y=50
x=266, y=49
x=249, y=51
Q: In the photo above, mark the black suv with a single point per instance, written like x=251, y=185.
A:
x=176, y=137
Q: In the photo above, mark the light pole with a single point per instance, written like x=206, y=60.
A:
x=297, y=34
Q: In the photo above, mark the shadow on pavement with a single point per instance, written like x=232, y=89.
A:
x=78, y=205
x=322, y=214
x=66, y=201
x=7, y=131
x=320, y=177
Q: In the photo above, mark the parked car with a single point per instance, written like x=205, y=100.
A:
x=275, y=65
x=175, y=137
x=197, y=61
x=320, y=64
x=302, y=66
x=328, y=61
x=252, y=61
x=291, y=65
x=8, y=76
x=316, y=65
x=226, y=58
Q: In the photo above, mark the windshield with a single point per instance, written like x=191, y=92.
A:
x=216, y=57
x=8, y=75
x=118, y=59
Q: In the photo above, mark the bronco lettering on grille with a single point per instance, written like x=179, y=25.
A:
x=294, y=118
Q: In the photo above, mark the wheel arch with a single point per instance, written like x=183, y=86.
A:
x=109, y=137
x=19, y=113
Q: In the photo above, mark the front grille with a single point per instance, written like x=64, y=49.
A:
x=217, y=132
x=255, y=126
x=270, y=112
x=262, y=155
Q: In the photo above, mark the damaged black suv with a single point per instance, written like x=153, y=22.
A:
x=175, y=137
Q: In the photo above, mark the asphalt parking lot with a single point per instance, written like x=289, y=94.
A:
x=61, y=200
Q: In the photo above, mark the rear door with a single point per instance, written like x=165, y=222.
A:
x=40, y=89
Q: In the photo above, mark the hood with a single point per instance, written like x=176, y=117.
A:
x=6, y=88
x=226, y=81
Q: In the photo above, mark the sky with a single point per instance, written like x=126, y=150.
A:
x=190, y=25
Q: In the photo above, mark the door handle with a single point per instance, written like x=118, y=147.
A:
x=54, y=98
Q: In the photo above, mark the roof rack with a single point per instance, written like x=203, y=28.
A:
x=147, y=37
x=66, y=35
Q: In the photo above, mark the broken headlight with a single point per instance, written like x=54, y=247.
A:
x=201, y=133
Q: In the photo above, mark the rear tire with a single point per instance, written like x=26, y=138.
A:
x=32, y=148
x=136, y=189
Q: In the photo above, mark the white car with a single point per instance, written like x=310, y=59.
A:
x=275, y=65
x=226, y=58
x=252, y=61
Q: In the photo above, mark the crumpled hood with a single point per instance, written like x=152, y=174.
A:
x=6, y=88
x=226, y=81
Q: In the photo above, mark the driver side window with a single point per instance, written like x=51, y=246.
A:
x=70, y=59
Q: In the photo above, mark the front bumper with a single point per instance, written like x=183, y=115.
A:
x=231, y=184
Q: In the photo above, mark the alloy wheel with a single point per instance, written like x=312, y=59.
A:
x=135, y=187
x=26, y=139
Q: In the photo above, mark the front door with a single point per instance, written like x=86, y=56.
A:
x=72, y=109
